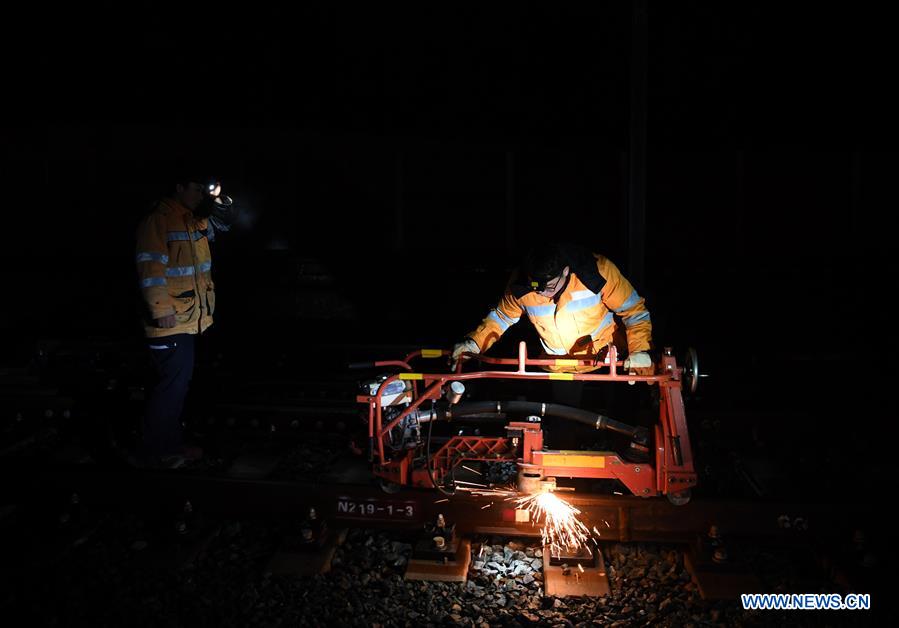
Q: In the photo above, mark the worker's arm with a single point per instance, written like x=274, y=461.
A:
x=620, y=297
x=152, y=258
x=498, y=320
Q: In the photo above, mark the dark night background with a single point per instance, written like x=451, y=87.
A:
x=396, y=161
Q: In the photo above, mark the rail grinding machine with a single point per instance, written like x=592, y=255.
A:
x=402, y=406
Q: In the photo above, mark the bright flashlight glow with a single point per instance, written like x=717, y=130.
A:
x=561, y=528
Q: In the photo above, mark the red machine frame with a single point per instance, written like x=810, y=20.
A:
x=669, y=472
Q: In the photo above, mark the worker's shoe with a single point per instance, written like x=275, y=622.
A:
x=185, y=456
x=174, y=461
x=191, y=453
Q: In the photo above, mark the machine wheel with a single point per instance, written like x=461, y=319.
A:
x=389, y=487
x=691, y=371
x=680, y=498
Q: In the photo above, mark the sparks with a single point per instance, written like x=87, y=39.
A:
x=487, y=506
x=440, y=501
x=561, y=528
x=489, y=492
x=472, y=470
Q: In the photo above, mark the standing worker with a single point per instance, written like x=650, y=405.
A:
x=174, y=266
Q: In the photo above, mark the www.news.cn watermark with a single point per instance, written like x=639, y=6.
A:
x=805, y=601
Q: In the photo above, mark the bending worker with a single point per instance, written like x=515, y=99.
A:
x=572, y=297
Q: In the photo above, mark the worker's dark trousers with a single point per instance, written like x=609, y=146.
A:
x=173, y=357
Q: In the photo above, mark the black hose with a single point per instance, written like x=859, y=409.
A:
x=599, y=421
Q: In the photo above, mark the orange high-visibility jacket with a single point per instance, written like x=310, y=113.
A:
x=581, y=321
x=174, y=269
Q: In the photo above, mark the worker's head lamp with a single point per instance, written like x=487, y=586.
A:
x=213, y=190
x=544, y=267
x=545, y=284
x=215, y=204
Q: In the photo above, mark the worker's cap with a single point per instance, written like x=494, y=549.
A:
x=211, y=184
x=190, y=172
x=542, y=264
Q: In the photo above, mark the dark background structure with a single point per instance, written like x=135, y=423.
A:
x=395, y=162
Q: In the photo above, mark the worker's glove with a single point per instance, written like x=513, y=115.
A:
x=467, y=345
x=223, y=213
x=219, y=211
x=639, y=362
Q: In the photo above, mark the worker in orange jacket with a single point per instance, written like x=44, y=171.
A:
x=573, y=298
x=174, y=267
x=579, y=303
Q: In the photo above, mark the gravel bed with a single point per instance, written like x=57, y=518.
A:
x=131, y=572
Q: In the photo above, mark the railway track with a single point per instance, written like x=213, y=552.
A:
x=257, y=421
x=618, y=517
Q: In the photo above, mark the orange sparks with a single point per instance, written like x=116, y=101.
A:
x=561, y=528
x=488, y=492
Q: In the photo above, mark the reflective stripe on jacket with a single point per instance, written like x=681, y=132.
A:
x=580, y=322
x=174, y=267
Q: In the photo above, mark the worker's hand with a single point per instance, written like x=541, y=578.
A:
x=640, y=363
x=468, y=345
x=166, y=322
